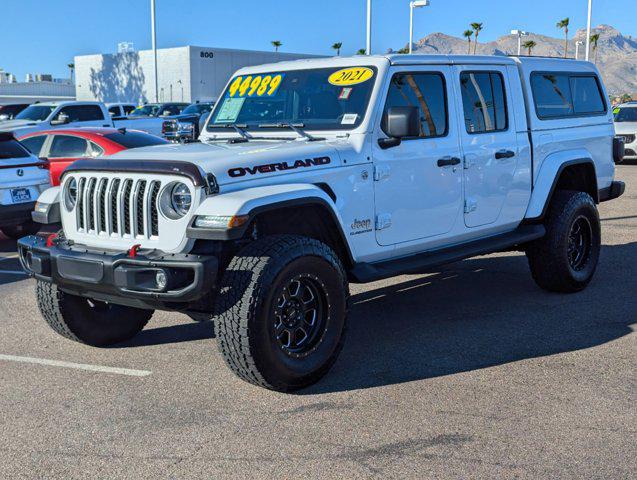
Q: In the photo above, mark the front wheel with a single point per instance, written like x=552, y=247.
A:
x=281, y=312
x=88, y=321
x=565, y=259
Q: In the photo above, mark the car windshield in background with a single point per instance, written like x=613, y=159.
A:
x=12, y=149
x=35, y=113
x=135, y=139
x=626, y=114
x=315, y=99
x=197, y=109
x=145, y=111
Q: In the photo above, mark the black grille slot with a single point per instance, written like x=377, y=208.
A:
x=91, y=204
x=114, y=192
x=128, y=186
x=154, y=213
x=80, y=203
x=139, y=206
x=102, y=205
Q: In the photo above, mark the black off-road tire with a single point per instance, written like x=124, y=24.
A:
x=249, y=312
x=551, y=259
x=90, y=322
x=18, y=231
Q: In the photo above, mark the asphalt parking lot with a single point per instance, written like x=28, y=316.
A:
x=470, y=372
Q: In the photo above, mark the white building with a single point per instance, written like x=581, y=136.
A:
x=185, y=74
x=29, y=92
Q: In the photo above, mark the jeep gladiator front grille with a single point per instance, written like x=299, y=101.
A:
x=118, y=207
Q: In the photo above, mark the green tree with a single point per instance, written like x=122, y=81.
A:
x=529, y=45
x=361, y=51
x=594, y=41
x=468, y=34
x=71, y=67
x=276, y=44
x=403, y=50
x=337, y=46
x=476, y=30
x=563, y=24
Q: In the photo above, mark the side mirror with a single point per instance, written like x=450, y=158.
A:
x=61, y=119
x=399, y=123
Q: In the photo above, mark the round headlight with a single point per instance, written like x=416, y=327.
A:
x=180, y=199
x=70, y=194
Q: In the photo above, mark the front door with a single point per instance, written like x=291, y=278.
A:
x=418, y=184
x=489, y=142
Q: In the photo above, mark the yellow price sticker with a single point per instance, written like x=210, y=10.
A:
x=255, y=85
x=350, y=76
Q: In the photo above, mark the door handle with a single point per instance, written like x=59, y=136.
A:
x=504, y=154
x=448, y=161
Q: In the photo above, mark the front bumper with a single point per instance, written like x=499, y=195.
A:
x=118, y=278
x=15, y=214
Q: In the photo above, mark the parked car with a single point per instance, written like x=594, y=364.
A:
x=315, y=173
x=119, y=111
x=23, y=177
x=187, y=126
x=159, y=109
x=626, y=128
x=9, y=111
x=64, y=146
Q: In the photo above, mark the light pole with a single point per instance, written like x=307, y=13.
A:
x=368, y=46
x=520, y=34
x=588, y=29
x=414, y=4
x=578, y=44
x=154, y=41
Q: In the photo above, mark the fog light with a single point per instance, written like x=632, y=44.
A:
x=161, y=279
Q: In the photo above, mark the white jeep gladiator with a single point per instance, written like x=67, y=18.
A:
x=315, y=173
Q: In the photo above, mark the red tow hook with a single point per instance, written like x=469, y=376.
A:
x=50, y=240
x=132, y=253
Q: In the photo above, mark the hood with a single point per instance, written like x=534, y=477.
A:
x=238, y=162
x=620, y=127
x=15, y=124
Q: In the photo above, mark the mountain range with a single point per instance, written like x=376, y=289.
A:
x=616, y=54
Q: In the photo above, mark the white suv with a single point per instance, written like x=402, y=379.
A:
x=315, y=173
x=22, y=178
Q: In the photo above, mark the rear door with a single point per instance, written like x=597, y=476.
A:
x=489, y=141
x=418, y=184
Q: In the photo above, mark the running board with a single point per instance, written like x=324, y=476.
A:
x=422, y=262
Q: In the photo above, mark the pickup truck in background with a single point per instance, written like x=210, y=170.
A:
x=315, y=173
x=187, y=126
x=9, y=111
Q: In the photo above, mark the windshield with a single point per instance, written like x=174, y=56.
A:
x=197, y=109
x=149, y=110
x=35, y=113
x=626, y=114
x=316, y=99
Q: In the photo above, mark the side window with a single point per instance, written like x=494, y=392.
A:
x=483, y=102
x=128, y=109
x=66, y=146
x=564, y=94
x=83, y=113
x=34, y=144
x=95, y=150
x=425, y=91
x=114, y=111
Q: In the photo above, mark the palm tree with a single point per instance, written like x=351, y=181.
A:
x=476, y=30
x=361, y=51
x=337, y=46
x=468, y=34
x=530, y=45
x=276, y=44
x=71, y=70
x=594, y=40
x=563, y=24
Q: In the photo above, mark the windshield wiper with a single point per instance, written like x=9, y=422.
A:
x=238, y=127
x=296, y=127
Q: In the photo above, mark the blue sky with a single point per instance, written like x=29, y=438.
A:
x=44, y=35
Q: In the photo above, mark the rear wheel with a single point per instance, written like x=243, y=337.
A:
x=565, y=259
x=281, y=312
x=18, y=231
x=88, y=321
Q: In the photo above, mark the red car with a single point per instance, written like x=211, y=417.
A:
x=63, y=146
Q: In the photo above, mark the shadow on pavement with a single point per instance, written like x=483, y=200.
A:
x=478, y=314
x=185, y=332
